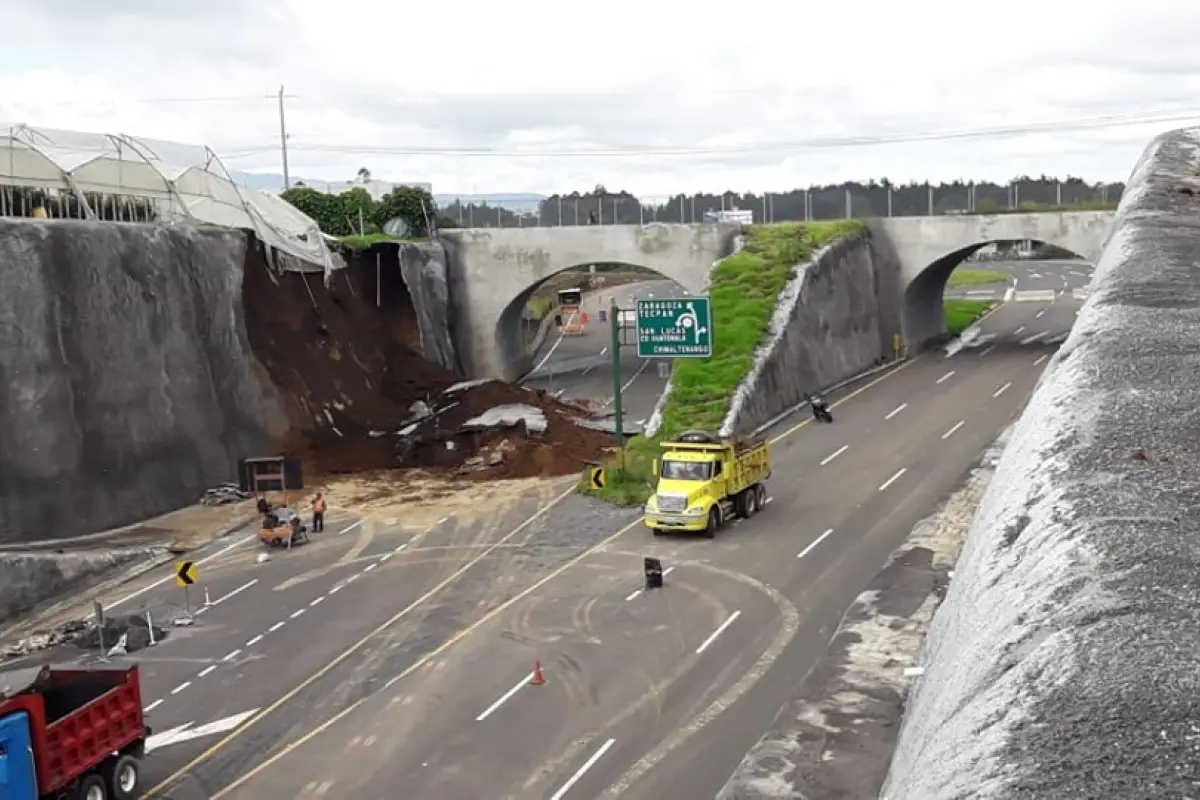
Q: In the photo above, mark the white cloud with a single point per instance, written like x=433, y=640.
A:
x=370, y=78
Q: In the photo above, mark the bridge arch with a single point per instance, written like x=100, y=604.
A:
x=495, y=271
x=512, y=336
x=930, y=248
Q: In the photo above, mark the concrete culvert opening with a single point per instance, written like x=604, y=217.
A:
x=925, y=318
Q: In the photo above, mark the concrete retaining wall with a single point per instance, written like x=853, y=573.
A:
x=835, y=318
x=126, y=381
x=1064, y=662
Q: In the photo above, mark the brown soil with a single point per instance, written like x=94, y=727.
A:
x=349, y=372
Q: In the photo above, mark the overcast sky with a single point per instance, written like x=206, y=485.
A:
x=752, y=85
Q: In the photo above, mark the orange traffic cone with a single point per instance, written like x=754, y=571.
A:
x=537, y=679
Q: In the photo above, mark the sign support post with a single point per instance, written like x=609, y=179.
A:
x=615, y=346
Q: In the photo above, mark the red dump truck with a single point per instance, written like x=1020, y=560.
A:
x=73, y=734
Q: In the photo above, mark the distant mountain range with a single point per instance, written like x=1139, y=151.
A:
x=273, y=182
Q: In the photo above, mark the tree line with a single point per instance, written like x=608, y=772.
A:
x=355, y=212
x=831, y=201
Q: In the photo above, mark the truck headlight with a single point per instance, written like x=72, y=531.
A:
x=694, y=511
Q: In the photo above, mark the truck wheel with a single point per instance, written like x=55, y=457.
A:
x=714, y=522
x=123, y=777
x=749, y=503
x=658, y=531
x=91, y=787
x=760, y=494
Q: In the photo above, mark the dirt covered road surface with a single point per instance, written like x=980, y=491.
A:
x=360, y=397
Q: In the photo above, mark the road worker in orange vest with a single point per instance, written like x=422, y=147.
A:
x=318, y=512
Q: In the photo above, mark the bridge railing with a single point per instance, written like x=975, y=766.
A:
x=798, y=205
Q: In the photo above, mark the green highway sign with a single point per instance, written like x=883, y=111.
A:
x=674, y=327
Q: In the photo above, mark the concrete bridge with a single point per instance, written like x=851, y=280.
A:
x=496, y=270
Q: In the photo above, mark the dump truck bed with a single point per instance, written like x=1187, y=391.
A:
x=751, y=465
x=77, y=719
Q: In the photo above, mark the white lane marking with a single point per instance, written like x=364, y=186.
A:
x=152, y=706
x=161, y=581
x=604, y=350
x=632, y=595
x=296, y=613
x=254, y=641
x=232, y=655
x=207, y=671
x=896, y=410
x=441, y=521
x=371, y=566
x=628, y=383
x=400, y=549
x=712, y=637
x=185, y=732
x=952, y=431
x=1040, y=314
x=987, y=350
x=234, y=593
x=812, y=546
x=181, y=687
x=1018, y=329
x=317, y=601
x=349, y=527
x=487, y=712
x=351, y=579
x=276, y=626
x=1002, y=389
x=835, y=454
x=893, y=479
x=1080, y=274
x=945, y=377
x=1040, y=359
x=335, y=590
x=1034, y=338
x=591, y=762
x=553, y=347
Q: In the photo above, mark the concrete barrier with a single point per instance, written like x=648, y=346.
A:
x=1064, y=662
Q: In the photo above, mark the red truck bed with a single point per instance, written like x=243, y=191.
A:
x=78, y=718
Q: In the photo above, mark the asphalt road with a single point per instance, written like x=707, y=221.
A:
x=413, y=682
x=580, y=366
x=1030, y=280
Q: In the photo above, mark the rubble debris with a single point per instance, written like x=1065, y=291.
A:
x=363, y=399
x=223, y=495
x=509, y=416
x=133, y=630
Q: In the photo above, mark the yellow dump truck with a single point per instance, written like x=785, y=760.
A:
x=704, y=482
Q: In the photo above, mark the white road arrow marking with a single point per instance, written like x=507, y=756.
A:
x=185, y=732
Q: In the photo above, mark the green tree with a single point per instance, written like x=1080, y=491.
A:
x=360, y=210
x=410, y=203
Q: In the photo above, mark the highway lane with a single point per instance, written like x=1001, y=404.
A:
x=1028, y=276
x=579, y=366
x=894, y=467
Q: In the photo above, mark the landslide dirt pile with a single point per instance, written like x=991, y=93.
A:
x=346, y=361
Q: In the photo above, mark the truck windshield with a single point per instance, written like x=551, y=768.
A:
x=686, y=470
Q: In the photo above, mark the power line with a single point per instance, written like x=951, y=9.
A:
x=815, y=143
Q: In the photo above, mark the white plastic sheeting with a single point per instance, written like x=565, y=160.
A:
x=185, y=182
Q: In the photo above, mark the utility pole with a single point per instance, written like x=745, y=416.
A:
x=287, y=183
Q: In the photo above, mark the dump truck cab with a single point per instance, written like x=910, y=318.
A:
x=704, y=482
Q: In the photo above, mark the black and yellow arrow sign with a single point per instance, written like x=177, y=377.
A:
x=185, y=573
x=596, y=477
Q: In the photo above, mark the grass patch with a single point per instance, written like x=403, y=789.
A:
x=629, y=476
x=745, y=288
x=744, y=292
x=358, y=243
x=960, y=314
x=975, y=277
